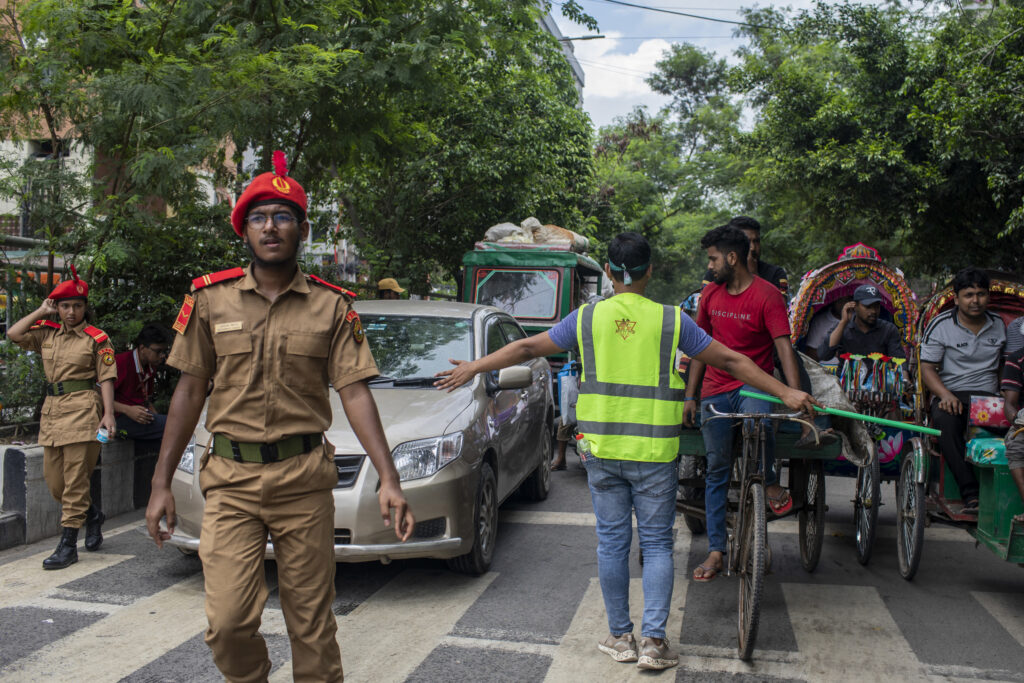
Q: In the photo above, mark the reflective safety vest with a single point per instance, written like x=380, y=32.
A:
x=631, y=395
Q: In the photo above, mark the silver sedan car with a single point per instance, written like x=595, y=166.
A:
x=459, y=454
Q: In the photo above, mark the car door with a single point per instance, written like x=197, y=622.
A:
x=533, y=423
x=504, y=414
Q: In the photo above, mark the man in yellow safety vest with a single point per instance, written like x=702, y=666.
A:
x=630, y=413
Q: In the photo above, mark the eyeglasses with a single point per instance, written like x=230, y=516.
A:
x=159, y=351
x=282, y=219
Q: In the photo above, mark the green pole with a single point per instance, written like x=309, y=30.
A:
x=852, y=415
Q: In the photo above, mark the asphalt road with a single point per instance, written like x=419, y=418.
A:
x=133, y=613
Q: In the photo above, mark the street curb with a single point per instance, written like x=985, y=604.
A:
x=27, y=511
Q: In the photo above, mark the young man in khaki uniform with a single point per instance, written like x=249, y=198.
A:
x=76, y=357
x=270, y=338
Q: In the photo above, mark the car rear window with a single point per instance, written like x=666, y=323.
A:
x=408, y=346
x=521, y=293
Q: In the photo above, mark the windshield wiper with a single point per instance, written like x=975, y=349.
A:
x=380, y=379
x=415, y=382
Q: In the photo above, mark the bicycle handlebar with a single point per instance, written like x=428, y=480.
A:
x=792, y=417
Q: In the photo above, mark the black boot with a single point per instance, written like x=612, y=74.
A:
x=66, y=553
x=93, y=521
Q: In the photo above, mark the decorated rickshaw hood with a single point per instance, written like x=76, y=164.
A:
x=819, y=288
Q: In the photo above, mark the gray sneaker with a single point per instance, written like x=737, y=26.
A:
x=620, y=648
x=656, y=654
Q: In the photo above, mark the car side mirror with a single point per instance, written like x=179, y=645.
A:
x=516, y=377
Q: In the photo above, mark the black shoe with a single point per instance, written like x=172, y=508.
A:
x=66, y=553
x=93, y=522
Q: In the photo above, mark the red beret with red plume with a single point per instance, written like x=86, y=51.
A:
x=269, y=187
x=75, y=288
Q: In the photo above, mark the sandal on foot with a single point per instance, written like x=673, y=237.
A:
x=970, y=507
x=708, y=573
x=1018, y=519
x=558, y=467
x=780, y=505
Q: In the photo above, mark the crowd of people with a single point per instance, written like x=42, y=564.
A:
x=269, y=469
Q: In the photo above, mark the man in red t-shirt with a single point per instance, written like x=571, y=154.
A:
x=747, y=314
x=133, y=389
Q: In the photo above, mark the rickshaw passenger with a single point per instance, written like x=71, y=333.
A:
x=747, y=314
x=860, y=331
x=821, y=326
x=1012, y=382
x=1014, y=337
x=960, y=356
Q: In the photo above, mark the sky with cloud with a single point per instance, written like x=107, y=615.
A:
x=635, y=40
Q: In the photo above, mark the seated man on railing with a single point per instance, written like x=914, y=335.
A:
x=960, y=355
x=1010, y=387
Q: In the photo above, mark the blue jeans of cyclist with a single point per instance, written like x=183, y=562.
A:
x=718, y=439
x=617, y=488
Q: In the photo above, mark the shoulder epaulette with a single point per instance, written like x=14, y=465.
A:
x=336, y=288
x=45, y=323
x=214, y=278
x=96, y=333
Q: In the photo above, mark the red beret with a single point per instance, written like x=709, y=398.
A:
x=75, y=288
x=268, y=187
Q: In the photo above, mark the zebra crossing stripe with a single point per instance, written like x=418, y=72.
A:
x=846, y=633
x=408, y=618
x=24, y=580
x=122, y=642
x=1007, y=609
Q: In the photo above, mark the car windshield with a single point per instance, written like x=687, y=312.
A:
x=412, y=346
x=522, y=293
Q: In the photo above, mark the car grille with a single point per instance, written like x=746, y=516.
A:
x=429, y=528
x=348, y=469
x=342, y=536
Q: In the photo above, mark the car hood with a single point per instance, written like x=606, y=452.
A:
x=406, y=414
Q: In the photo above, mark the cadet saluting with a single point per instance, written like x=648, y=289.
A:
x=270, y=338
x=76, y=357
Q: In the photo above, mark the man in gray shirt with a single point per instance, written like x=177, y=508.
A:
x=960, y=356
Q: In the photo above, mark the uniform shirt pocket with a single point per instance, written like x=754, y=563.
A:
x=234, y=358
x=306, y=361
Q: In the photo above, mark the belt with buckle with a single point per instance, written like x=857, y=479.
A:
x=264, y=453
x=68, y=386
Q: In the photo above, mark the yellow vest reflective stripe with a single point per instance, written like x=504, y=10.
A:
x=631, y=396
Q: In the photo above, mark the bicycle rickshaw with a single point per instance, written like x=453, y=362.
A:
x=874, y=386
x=926, y=490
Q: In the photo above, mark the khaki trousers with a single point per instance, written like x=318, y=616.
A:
x=66, y=470
x=292, y=501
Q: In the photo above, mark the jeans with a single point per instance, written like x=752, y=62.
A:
x=718, y=436
x=137, y=431
x=618, y=487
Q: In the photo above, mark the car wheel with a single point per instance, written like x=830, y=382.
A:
x=538, y=484
x=485, y=527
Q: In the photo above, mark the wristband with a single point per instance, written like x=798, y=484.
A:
x=690, y=398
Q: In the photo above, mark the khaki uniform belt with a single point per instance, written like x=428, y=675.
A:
x=68, y=386
x=264, y=453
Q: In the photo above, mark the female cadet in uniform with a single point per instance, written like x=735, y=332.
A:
x=76, y=357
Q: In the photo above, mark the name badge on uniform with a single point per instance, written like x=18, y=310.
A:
x=227, y=327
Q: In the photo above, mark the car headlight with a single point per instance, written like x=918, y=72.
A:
x=422, y=458
x=188, y=457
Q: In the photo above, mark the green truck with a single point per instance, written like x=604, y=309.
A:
x=538, y=284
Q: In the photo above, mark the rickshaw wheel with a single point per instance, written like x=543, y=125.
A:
x=752, y=544
x=865, y=507
x=910, y=520
x=812, y=517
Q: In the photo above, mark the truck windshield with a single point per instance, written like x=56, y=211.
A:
x=520, y=293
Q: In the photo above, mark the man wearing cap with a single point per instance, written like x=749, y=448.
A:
x=860, y=331
x=270, y=338
x=388, y=289
x=76, y=356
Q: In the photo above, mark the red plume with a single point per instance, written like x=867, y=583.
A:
x=74, y=273
x=280, y=165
